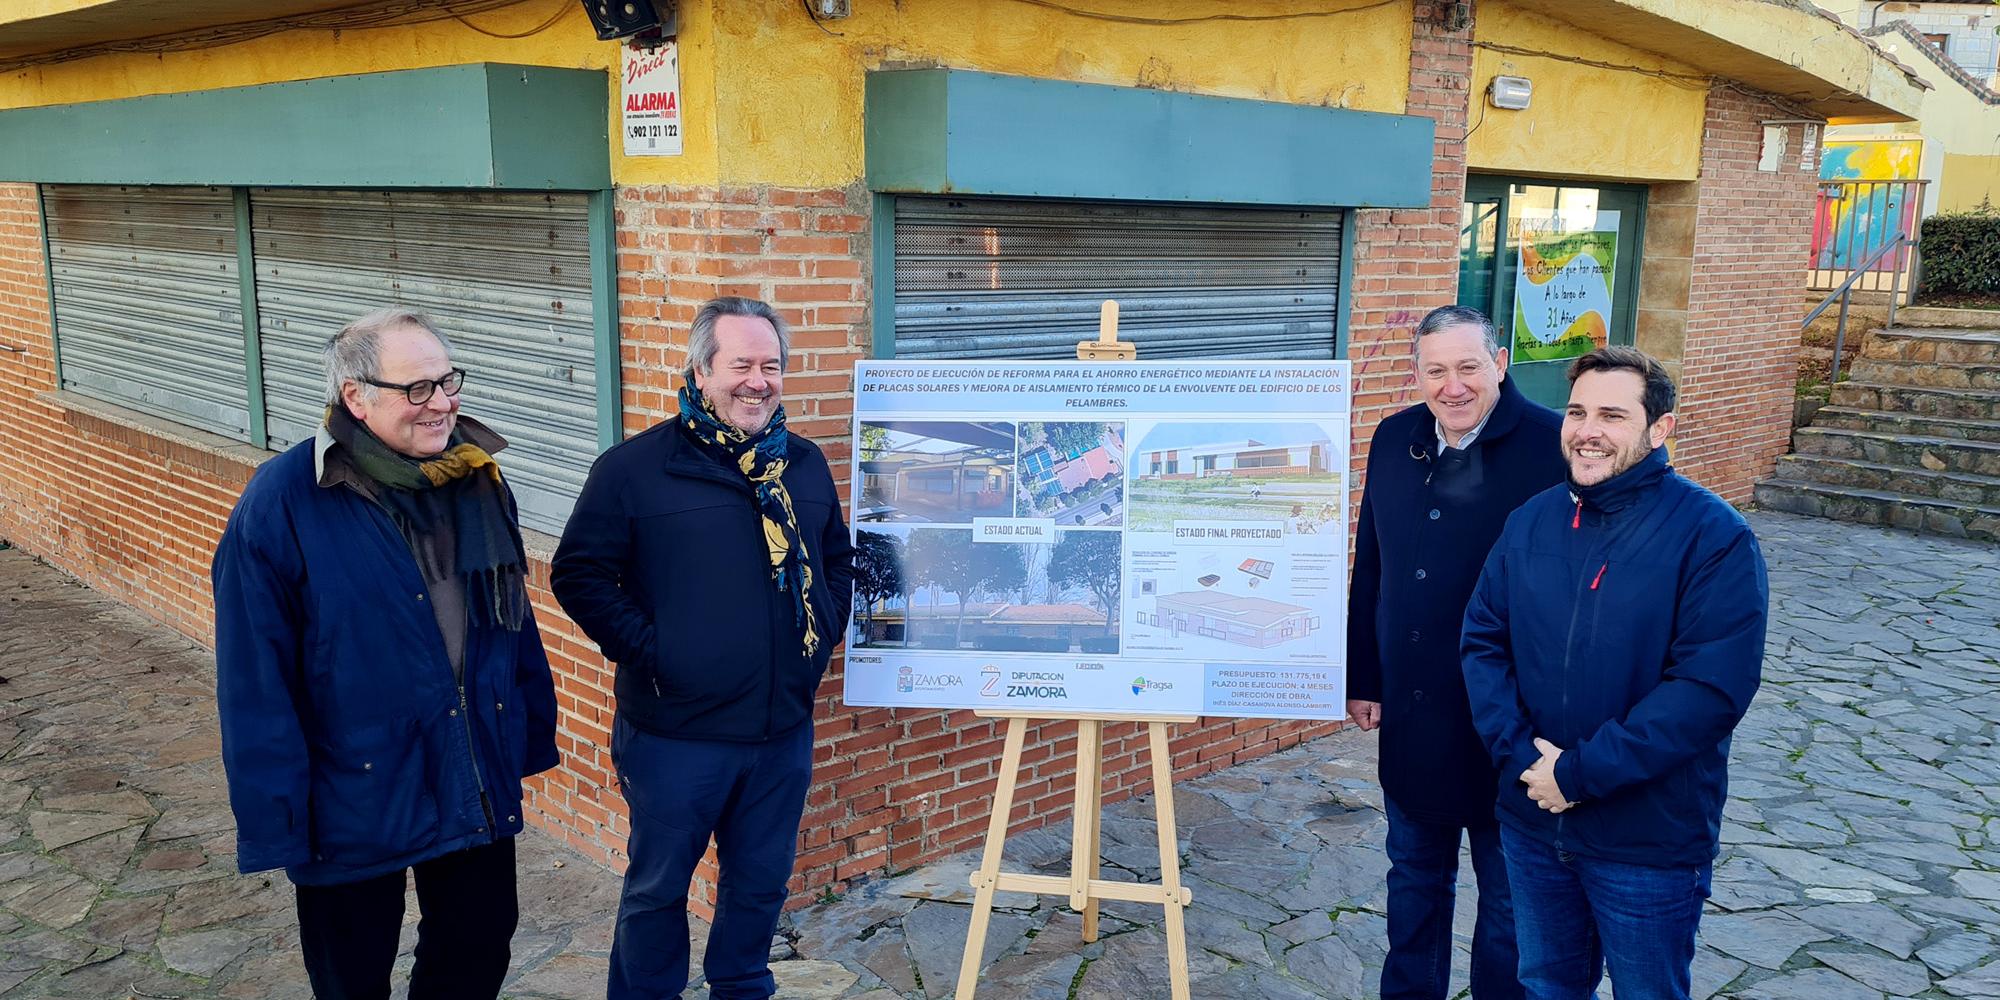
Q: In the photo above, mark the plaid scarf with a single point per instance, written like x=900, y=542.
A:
x=455, y=513
x=761, y=459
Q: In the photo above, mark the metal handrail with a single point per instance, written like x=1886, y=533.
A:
x=1900, y=240
x=1846, y=293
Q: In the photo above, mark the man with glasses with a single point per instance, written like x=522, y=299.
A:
x=709, y=559
x=1442, y=477
x=381, y=682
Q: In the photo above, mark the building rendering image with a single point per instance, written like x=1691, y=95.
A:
x=1246, y=621
x=1247, y=457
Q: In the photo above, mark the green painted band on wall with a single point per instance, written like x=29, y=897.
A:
x=484, y=125
x=939, y=131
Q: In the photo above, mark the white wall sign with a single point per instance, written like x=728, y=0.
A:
x=1139, y=537
x=652, y=95
x=1773, y=150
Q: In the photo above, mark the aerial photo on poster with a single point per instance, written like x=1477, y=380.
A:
x=1073, y=472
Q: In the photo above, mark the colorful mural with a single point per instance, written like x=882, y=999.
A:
x=1853, y=220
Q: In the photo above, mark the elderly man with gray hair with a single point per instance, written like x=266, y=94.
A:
x=382, y=686
x=709, y=559
x=1442, y=477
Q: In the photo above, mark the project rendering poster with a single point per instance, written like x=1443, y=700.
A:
x=1144, y=537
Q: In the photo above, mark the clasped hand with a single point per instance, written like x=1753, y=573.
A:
x=1541, y=778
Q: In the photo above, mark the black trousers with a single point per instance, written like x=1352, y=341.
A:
x=468, y=911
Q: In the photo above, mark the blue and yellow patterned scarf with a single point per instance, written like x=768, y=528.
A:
x=761, y=459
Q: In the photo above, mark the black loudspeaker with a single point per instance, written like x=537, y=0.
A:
x=625, y=18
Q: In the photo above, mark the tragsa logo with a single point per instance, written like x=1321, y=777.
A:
x=906, y=681
x=1141, y=685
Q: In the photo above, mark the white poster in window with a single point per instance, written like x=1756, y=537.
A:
x=1140, y=537
x=652, y=94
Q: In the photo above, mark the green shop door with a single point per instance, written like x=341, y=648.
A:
x=1556, y=265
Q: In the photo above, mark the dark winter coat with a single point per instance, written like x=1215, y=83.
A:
x=665, y=567
x=350, y=748
x=1426, y=524
x=1624, y=623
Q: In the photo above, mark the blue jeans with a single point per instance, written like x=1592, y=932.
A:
x=1423, y=878
x=750, y=797
x=1579, y=915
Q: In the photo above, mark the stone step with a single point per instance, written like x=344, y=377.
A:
x=1934, y=346
x=1926, y=374
x=1958, y=487
x=1958, y=404
x=1979, y=458
x=1895, y=510
x=1978, y=319
x=1909, y=424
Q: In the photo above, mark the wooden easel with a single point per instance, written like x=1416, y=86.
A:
x=1083, y=887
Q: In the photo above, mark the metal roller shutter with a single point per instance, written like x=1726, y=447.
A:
x=147, y=307
x=506, y=275
x=993, y=278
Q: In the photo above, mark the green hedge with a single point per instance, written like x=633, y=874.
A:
x=1961, y=253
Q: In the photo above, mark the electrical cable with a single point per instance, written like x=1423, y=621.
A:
x=1692, y=81
x=392, y=13
x=817, y=23
x=1200, y=18
x=562, y=7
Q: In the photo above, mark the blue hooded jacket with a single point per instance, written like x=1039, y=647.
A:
x=1623, y=622
x=350, y=748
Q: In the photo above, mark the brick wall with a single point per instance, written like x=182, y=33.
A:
x=1753, y=233
x=1406, y=260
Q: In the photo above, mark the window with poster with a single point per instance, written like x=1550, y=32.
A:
x=1556, y=264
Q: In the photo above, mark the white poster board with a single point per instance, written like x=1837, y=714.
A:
x=652, y=100
x=1136, y=537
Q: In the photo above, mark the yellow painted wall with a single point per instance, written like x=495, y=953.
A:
x=1968, y=181
x=793, y=115
x=771, y=98
x=301, y=55
x=1584, y=121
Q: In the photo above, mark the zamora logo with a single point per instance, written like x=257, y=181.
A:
x=1035, y=691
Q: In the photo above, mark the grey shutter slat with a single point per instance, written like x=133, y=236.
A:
x=993, y=278
x=507, y=277
x=148, y=310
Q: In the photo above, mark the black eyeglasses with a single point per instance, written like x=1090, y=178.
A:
x=421, y=391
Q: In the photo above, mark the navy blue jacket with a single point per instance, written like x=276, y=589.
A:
x=1421, y=511
x=350, y=749
x=1627, y=627
x=665, y=567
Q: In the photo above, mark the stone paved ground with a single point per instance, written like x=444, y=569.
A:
x=1862, y=841
x=117, y=854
